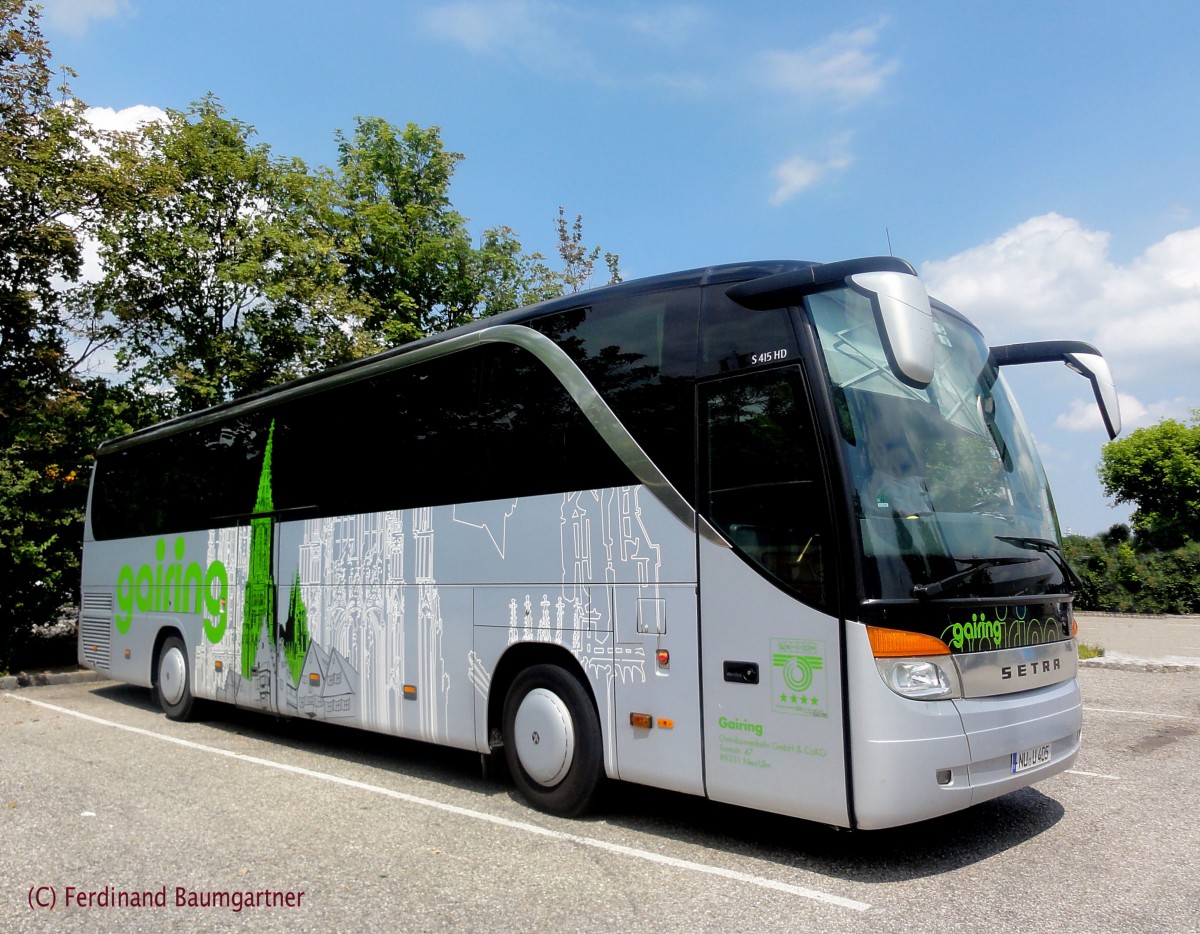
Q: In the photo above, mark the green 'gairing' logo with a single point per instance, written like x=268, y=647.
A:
x=174, y=587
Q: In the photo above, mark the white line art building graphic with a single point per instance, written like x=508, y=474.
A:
x=374, y=609
x=352, y=574
x=606, y=525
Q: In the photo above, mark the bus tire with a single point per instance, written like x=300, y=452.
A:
x=552, y=740
x=173, y=686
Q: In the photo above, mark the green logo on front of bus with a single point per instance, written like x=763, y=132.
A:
x=798, y=669
x=979, y=630
x=798, y=677
x=174, y=587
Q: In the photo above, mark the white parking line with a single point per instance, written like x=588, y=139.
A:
x=1113, y=778
x=688, y=865
x=1141, y=713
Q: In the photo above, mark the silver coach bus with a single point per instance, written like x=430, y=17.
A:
x=770, y=533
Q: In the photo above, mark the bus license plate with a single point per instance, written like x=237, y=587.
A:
x=1030, y=758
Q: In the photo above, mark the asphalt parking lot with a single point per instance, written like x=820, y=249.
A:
x=101, y=794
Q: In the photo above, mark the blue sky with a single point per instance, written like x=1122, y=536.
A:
x=1038, y=162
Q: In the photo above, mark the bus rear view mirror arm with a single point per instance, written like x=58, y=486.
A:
x=1081, y=358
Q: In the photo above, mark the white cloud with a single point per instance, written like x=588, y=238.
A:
x=670, y=23
x=843, y=66
x=1050, y=277
x=1084, y=415
x=74, y=16
x=798, y=173
x=540, y=36
x=129, y=118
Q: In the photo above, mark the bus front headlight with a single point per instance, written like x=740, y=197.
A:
x=920, y=678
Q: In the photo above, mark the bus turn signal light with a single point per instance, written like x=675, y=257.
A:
x=896, y=643
x=642, y=720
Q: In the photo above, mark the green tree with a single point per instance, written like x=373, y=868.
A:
x=51, y=184
x=408, y=255
x=578, y=261
x=1157, y=469
x=53, y=187
x=220, y=278
x=406, y=251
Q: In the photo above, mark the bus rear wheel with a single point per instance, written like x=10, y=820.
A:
x=552, y=740
x=173, y=686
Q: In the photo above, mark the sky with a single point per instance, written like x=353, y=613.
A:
x=1037, y=162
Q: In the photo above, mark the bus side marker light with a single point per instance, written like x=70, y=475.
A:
x=641, y=720
x=410, y=692
x=663, y=657
x=314, y=679
x=665, y=724
x=128, y=653
x=218, y=665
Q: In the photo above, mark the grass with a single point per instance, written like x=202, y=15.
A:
x=1090, y=651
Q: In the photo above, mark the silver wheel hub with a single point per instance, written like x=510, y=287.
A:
x=172, y=674
x=544, y=736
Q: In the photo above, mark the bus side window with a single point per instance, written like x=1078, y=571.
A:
x=639, y=353
x=761, y=477
x=734, y=338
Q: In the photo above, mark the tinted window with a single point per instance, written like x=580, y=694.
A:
x=761, y=482
x=171, y=485
x=485, y=423
x=640, y=355
x=733, y=338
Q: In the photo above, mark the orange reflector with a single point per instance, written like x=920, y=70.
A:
x=665, y=724
x=664, y=658
x=896, y=643
x=642, y=720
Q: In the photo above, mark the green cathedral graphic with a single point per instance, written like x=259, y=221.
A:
x=259, y=610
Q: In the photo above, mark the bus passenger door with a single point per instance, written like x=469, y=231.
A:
x=772, y=667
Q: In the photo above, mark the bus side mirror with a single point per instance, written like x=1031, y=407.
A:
x=905, y=322
x=1094, y=367
x=902, y=312
x=1081, y=358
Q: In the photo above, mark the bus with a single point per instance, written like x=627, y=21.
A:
x=772, y=533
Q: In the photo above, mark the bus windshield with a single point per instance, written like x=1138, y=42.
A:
x=948, y=493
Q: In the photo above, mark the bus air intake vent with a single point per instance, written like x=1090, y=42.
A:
x=95, y=629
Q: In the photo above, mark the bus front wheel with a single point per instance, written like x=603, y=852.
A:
x=173, y=686
x=552, y=740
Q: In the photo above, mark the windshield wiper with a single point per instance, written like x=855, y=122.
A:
x=925, y=591
x=1051, y=550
